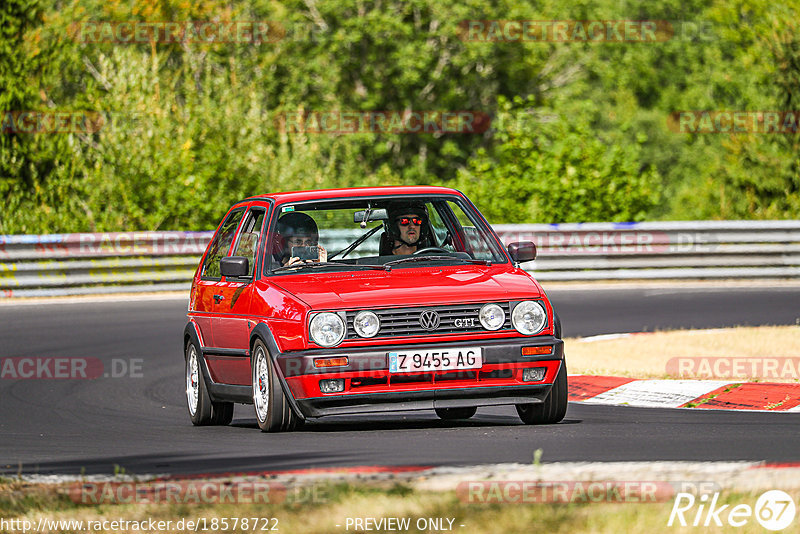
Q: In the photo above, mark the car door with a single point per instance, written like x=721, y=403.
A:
x=232, y=322
x=203, y=304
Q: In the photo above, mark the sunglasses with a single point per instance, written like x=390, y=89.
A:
x=405, y=221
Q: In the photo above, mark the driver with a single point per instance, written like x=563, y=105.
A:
x=407, y=223
x=297, y=229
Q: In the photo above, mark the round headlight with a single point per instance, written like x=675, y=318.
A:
x=327, y=329
x=366, y=324
x=492, y=317
x=529, y=317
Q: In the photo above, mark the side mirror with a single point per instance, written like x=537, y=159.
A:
x=234, y=266
x=522, y=251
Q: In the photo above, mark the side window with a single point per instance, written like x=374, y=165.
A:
x=221, y=244
x=249, y=237
x=441, y=234
x=475, y=242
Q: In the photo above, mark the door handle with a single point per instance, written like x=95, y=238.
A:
x=218, y=298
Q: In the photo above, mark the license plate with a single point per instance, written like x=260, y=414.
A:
x=412, y=361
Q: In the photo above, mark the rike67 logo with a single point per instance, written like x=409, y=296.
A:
x=774, y=510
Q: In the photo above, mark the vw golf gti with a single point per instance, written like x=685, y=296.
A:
x=316, y=303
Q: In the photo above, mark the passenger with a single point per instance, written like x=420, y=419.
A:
x=297, y=229
x=408, y=223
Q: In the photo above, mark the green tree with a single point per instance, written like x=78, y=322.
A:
x=579, y=130
x=558, y=169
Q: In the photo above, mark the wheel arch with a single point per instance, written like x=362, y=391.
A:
x=263, y=333
x=190, y=333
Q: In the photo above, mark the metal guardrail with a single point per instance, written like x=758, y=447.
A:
x=661, y=250
x=73, y=264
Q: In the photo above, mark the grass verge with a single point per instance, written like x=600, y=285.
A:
x=335, y=503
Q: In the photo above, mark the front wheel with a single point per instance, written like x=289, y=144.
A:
x=197, y=398
x=202, y=410
x=449, y=414
x=272, y=408
x=554, y=407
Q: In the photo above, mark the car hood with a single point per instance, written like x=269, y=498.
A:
x=410, y=287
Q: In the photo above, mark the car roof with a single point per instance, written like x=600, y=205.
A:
x=320, y=194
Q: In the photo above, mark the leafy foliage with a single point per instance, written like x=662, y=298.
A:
x=579, y=130
x=557, y=172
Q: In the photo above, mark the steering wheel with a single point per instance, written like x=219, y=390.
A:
x=431, y=249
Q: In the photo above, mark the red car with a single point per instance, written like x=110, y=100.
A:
x=316, y=303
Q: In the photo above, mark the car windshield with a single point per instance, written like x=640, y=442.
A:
x=390, y=232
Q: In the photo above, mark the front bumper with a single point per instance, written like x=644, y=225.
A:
x=370, y=387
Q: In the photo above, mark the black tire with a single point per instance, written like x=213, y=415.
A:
x=197, y=399
x=272, y=409
x=449, y=414
x=554, y=407
x=221, y=413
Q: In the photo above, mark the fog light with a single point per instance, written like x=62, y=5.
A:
x=492, y=317
x=366, y=324
x=333, y=385
x=534, y=375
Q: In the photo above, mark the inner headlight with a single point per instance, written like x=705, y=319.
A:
x=366, y=324
x=529, y=317
x=492, y=317
x=327, y=329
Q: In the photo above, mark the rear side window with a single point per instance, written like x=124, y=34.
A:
x=221, y=244
x=247, y=245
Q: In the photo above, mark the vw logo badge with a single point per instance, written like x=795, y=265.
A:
x=429, y=320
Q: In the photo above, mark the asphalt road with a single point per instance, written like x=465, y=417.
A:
x=139, y=422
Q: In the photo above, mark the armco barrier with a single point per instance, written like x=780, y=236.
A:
x=71, y=264
x=661, y=250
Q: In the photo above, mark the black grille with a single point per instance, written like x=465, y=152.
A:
x=397, y=322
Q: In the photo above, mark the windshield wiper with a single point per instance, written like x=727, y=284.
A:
x=366, y=266
x=355, y=243
x=316, y=265
x=438, y=258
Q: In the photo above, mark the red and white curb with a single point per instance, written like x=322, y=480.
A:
x=704, y=394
